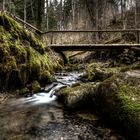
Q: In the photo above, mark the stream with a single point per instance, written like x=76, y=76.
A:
x=41, y=117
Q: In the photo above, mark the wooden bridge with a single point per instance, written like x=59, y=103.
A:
x=81, y=47
x=91, y=47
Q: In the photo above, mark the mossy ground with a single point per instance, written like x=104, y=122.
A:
x=119, y=99
x=23, y=58
x=77, y=96
x=98, y=71
x=114, y=91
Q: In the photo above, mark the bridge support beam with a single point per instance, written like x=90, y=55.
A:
x=91, y=47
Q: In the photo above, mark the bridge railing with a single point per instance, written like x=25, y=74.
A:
x=90, y=36
x=23, y=23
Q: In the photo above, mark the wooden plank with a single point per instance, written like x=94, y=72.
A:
x=90, y=47
x=92, y=31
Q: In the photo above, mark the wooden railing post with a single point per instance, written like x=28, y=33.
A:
x=61, y=38
x=52, y=38
x=138, y=36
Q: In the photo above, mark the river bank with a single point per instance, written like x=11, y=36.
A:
x=95, y=97
x=42, y=117
x=113, y=91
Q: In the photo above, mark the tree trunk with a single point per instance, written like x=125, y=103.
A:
x=137, y=12
x=97, y=19
x=3, y=5
x=124, y=13
x=61, y=4
x=40, y=13
x=47, y=15
x=32, y=10
x=73, y=13
x=25, y=18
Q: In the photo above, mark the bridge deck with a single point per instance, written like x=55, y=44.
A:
x=91, y=47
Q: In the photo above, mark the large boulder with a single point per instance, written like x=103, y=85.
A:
x=118, y=98
x=77, y=96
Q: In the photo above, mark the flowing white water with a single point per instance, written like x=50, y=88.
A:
x=63, y=80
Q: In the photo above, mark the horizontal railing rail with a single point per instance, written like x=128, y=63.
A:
x=82, y=31
x=26, y=24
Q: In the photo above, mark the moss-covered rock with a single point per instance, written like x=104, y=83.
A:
x=119, y=99
x=23, y=58
x=24, y=91
x=134, y=66
x=97, y=74
x=77, y=96
x=34, y=87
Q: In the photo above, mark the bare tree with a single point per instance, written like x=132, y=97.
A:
x=137, y=11
x=97, y=18
x=46, y=15
x=73, y=11
x=32, y=10
x=25, y=11
x=3, y=5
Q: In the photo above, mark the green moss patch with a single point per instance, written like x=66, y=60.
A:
x=23, y=58
x=78, y=96
x=98, y=74
x=135, y=66
x=119, y=99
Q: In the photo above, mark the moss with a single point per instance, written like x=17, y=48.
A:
x=129, y=110
x=131, y=67
x=78, y=96
x=24, y=91
x=96, y=74
x=24, y=73
x=35, y=87
x=37, y=45
x=19, y=52
x=23, y=53
x=18, y=32
x=130, y=96
x=10, y=63
x=45, y=76
x=98, y=71
x=119, y=99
